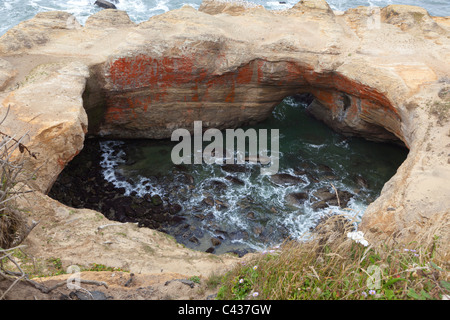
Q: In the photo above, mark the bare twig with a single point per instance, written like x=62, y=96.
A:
x=337, y=195
x=60, y=284
x=13, y=184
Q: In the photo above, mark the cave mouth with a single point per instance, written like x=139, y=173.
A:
x=231, y=208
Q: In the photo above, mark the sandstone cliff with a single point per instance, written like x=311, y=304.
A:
x=381, y=74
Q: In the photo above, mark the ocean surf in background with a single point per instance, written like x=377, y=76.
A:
x=12, y=12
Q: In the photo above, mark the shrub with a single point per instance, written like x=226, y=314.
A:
x=14, y=183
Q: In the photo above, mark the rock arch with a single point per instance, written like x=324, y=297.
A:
x=229, y=64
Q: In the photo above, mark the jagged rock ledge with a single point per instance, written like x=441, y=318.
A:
x=381, y=74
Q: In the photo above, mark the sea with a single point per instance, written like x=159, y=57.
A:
x=13, y=12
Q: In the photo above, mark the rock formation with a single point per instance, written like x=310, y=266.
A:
x=383, y=74
x=105, y=4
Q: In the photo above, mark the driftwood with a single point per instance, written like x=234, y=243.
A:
x=22, y=276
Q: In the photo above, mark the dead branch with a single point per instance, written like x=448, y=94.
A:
x=337, y=196
x=60, y=284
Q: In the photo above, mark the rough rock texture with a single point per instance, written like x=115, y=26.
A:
x=46, y=108
x=381, y=74
x=84, y=237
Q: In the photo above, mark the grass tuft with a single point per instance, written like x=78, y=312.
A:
x=332, y=266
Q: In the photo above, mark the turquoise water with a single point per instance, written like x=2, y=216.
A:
x=253, y=208
x=13, y=12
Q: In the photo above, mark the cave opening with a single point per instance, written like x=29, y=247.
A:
x=231, y=208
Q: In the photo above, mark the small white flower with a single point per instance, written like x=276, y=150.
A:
x=255, y=294
x=358, y=237
x=241, y=281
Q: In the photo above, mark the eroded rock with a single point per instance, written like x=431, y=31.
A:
x=231, y=68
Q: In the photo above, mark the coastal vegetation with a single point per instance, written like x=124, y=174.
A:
x=14, y=227
x=334, y=267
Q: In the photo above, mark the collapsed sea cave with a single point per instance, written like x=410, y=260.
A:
x=232, y=208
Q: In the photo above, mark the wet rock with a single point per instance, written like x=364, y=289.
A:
x=324, y=194
x=319, y=205
x=235, y=180
x=190, y=178
x=159, y=217
x=360, y=181
x=220, y=205
x=148, y=223
x=217, y=186
x=200, y=216
x=296, y=198
x=209, y=201
x=239, y=252
x=175, y=220
x=187, y=235
x=210, y=250
x=156, y=200
x=223, y=234
x=175, y=208
x=257, y=230
x=140, y=212
x=105, y=4
x=233, y=168
x=328, y=198
x=251, y=215
x=216, y=242
x=325, y=169
x=239, y=235
x=194, y=240
x=285, y=179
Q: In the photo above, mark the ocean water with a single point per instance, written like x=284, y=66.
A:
x=255, y=210
x=13, y=12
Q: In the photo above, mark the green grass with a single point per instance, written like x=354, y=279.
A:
x=339, y=270
x=102, y=267
x=195, y=279
x=52, y=266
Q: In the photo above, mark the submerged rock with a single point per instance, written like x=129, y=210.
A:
x=328, y=197
x=233, y=168
x=209, y=201
x=156, y=200
x=360, y=181
x=105, y=4
x=235, y=180
x=297, y=198
x=285, y=179
x=216, y=242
